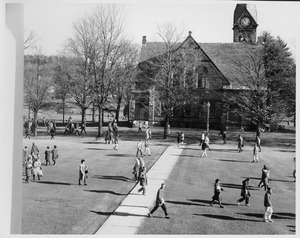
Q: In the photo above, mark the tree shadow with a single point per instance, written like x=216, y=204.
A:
x=294, y=228
x=252, y=178
x=236, y=186
x=286, y=151
x=121, y=155
x=117, y=214
x=55, y=183
x=224, y=150
x=95, y=149
x=184, y=203
x=186, y=155
x=274, y=215
x=121, y=178
x=106, y=191
x=230, y=160
x=207, y=202
x=222, y=217
x=191, y=148
x=278, y=180
x=93, y=142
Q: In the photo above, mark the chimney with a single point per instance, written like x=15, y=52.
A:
x=144, y=41
x=190, y=33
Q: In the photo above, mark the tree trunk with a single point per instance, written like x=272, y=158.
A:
x=100, y=122
x=28, y=112
x=93, y=114
x=34, y=124
x=83, y=115
x=118, y=108
x=64, y=110
x=167, y=121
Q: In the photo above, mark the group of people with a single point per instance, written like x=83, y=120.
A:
x=112, y=133
x=32, y=163
x=74, y=127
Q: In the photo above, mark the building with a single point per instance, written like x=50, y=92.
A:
x=213, y=73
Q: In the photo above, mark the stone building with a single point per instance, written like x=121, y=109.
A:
x=214, y=74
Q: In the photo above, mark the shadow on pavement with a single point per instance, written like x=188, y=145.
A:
x=93, y=142
x=207, y=202
x=231, y=160
x=224, y=150
x=55, y=183
x=285, y=181
x=106, y=191
x=222, y=217
x=121, y=155
x=274, y=216
x=294, y=228
x=116, y=214
x=95, y=149
x=185, y=203
x=121, y=178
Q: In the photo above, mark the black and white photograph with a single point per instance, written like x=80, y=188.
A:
x=149, y=118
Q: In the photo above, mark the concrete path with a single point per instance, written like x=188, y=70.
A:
x=128, y=217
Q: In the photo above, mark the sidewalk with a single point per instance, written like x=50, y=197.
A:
x=128, y=217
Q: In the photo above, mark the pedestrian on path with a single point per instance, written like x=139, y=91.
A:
x=83, y=170
x=82, y=129
x=147, y=148
x=47, y=155
x=245, y=194
x=178, y=139
x=142, y=164
x=268, y=206
x=28, y=168
x=217, y=193
x=34, y=150
x=37, y=169
x=116, y=142
x=27, y=133
x=202, y=138
x=148, y=133
x=255, y=154
x=54, y=153
x=206, y=141
x=136, y=170
x=140, y=127
x=25, y=155
x=143, y=180
x=223, y=134
x=139, y=148
x=265, y=174
x=182, y=138
x=52, y=133
x=240, y=141
x=204, y=147
x=160, y=202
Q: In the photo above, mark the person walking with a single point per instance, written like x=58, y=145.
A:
x=116, y=141
x=140, y=127
x=204, y=147
x=160, y=202
x=83, y=170
x=294, y=173
x=143, y=180
x=142, y=164
x=206, y=141
x=223, y=134
x=182, y=138
x=47, y=155
x=136, y=170
x=245, y=194
x=178, y=139
x=27, y=132
x=265, y=174
x=147, y=148
x=139, y=148
x=255, y=154
x=268, y=206
x=217, y=193
x=202, y=138
x=28, y=168
x=54, y=153
x=52, y=132
x=82, y=128
x=240, y=141
x=148, y=133
x=257, y=140
x=34, y=150
x=37, y=169
x=25, y=155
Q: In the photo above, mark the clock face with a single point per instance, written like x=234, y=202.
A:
x=245, y=21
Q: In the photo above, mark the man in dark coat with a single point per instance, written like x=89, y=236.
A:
x=245, y=193
x=268, y=206
x=47, y=155
x=160, y=202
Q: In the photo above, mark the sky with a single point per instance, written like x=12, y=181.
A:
x=209, y=21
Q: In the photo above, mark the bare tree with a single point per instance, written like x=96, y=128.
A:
x=37, y=82
x=30, y=40
x=170, y=73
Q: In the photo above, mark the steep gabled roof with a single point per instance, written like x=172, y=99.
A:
x=223, y=55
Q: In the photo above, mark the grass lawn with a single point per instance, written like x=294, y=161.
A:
x=58, y=205
x=190, y=187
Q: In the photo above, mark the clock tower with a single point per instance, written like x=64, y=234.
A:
x=244, y=23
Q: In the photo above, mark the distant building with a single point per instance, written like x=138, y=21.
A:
x=213, y=71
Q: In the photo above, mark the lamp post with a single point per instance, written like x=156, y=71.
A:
x=207, y=122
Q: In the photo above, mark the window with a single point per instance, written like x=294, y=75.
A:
x=201, y=80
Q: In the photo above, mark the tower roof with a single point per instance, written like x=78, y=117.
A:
x=241, y=8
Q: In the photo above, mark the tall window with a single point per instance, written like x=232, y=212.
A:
x=201, y=79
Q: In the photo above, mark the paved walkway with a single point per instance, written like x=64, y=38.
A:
x=128, y=217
